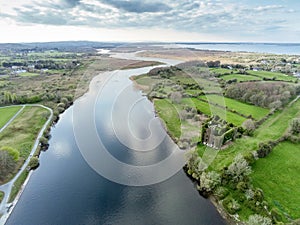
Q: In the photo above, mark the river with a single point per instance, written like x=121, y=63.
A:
x=71, y=187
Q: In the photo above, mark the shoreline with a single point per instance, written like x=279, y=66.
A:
x=5, y=206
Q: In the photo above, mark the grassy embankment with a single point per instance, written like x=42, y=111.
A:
x=280, y=190
x=17, y=185
x=236, y=112
x=169, y=114
x=1, y=196
x=22, y=132
x=7, y=113
x=281, y=162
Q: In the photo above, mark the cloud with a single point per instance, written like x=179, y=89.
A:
x=137, y=6
x=268, y=8
x=205, y=17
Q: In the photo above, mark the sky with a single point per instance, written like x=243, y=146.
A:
x=150, y=20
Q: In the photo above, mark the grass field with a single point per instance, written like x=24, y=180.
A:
x=272, y=129
x=7, y=113
x=144, y=80
x=240, y=77
x=27, y=74
x=168, y=113
x=278, y=175
x=22, y=132
x=271, y=75
x=221, y=71
x=208, y=109
x=256, y=112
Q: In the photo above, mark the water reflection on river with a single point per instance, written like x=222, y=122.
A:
x=65, y=190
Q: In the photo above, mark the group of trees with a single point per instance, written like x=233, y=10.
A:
x=8, y=160
x=232, y=187
x=271, y=95
x=42, y=64
x=11, y=98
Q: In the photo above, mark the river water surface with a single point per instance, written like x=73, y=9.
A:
x=66, y=190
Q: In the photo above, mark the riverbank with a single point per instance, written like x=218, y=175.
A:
x=236, y=200
x=18, y=183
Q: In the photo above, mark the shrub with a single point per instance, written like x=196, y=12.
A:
x=12, y=152
x=249, y=126
x=209, y=181
x=242, y=186
x=259, y=220
x=238, y=170
x=249, y=157
x=33, y=163
x=231, y=205
x=221, y=192
x=264, y=150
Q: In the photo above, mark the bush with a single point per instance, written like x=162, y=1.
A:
x=221, y=192
x=264, y=150
x=238, y=170
x=209, y=181
x=33, y=163
x=12, y=152
x=231, y=205
x=242, y=186
x=249, y=126
x=249, y=157
x=259, y=220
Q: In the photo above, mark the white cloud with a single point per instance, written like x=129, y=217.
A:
x=209, y=17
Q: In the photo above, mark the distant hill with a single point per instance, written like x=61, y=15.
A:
x=60, y=46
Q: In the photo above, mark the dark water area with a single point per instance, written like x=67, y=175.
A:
x=66, y=190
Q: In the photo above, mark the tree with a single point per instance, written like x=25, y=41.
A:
x=239, y=169
x=249, y=126
x=275, y=105
x=8, y=158
x=259, y=220
x=295, y=126
x=176, y=97
x=33, y=163
x=209, y=181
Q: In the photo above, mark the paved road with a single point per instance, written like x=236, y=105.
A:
x=5, y=207
x=9, y=122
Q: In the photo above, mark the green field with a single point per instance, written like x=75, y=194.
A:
x=278, y=175
x=272, y=129
x=221, y=71
x=22, y=132
x=256, y=112
x=7, y=113
x=240, y=77
x=144, y=80
x=272, y=75
x=27, y=74
x=168, y=113
x=208, y=109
